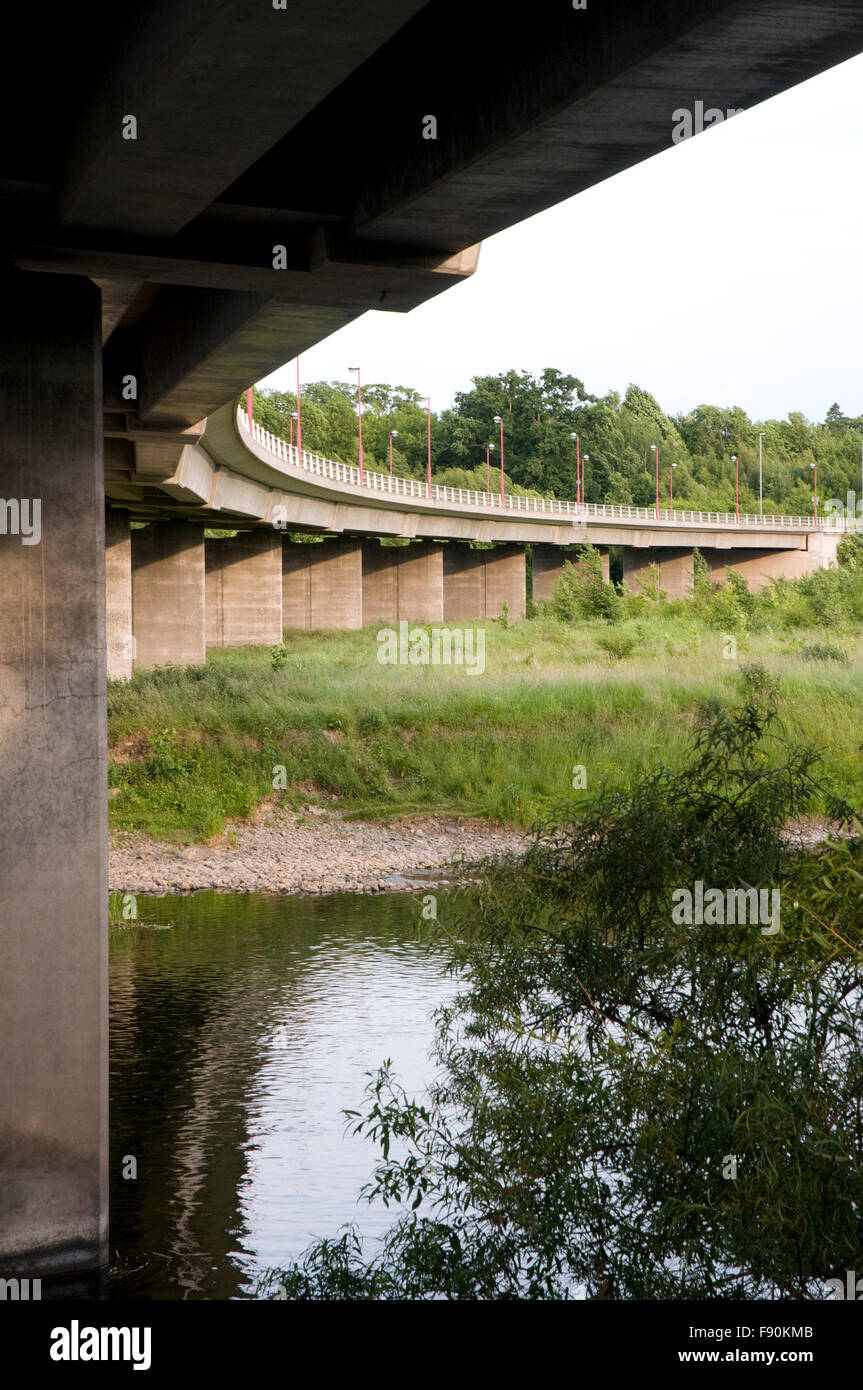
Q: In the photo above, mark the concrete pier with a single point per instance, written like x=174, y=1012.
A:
x=477, y=583
x=322, y=584
x=168, y=589
x=403, y=582
x=244, y=589
x=675, y=569
x=118, y=595
x=53, y=782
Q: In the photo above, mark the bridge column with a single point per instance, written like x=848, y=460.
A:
x=477, y=583
x=403, y=582
x=168, y=614
x=675, y=569
x=244, y=589
x=118, y=594
x=53, y=781
x=548, y=563
x=322, y=584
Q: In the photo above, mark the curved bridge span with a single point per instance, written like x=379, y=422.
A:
x=243, y=473
x=389, y=548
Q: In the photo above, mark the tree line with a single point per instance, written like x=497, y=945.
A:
x=541, y=412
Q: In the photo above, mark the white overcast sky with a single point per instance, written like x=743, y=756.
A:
x=726, y=270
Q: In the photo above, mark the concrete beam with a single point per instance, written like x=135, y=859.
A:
x=402, y=582
x=53, y=786
x=477, y=583
x=244, y=589
x=323, y=584
x=168, y=589
x=118, y=595
x=676, y=570
x=207, y=86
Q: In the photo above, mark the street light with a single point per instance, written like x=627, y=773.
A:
x=428, y=472
x=359, y=416
x=249, y=407
x=671, y=487
x=498, y=421
x=655, y=448
x=736, y=462
x=299, y=417
x=815, y=498
x=392, y=433
x=760, y=477
x=574, y=436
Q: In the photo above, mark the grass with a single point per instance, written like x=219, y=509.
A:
x=193, y=748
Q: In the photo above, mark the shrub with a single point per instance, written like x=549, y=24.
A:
x=581, y=591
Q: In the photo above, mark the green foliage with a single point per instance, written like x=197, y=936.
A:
x=540, y=415
x=581, y=591
x=823, y=651
x=650, y=586
x=850, y=552
x=624, y=1106
x=618, y=643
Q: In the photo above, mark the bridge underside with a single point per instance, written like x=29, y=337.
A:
x=193, y=195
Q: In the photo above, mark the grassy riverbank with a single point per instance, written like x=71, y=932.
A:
x=193, y=748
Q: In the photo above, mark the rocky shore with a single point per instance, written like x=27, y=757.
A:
x=315, y=850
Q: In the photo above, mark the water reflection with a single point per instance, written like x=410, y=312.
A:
x=240, y=1031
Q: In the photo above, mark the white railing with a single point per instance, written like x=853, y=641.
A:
x=594, y=511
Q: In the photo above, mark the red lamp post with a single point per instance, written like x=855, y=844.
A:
x=655, y=448
x=428, y=466
x=499, y=421
x=359, y=416
x=392, y=432
x=249, y=408
x=299, y=417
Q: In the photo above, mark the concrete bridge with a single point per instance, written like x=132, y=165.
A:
x=170, y=593
x=210, y=190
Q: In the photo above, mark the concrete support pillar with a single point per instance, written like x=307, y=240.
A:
x=548, y=563
x=477, y=583
x=675, y=569
x=53, y=781
x=322, y=584
x=168, y=594
x=118, y=594
x=403, y=582
x=759, y=567
x=244, y=589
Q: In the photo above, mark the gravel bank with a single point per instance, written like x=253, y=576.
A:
x=312, y=851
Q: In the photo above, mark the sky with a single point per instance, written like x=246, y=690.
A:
x=725, y=271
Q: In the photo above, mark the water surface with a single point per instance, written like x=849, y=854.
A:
x=241, y=1028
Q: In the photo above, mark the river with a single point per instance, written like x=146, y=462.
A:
x=242, y=1026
